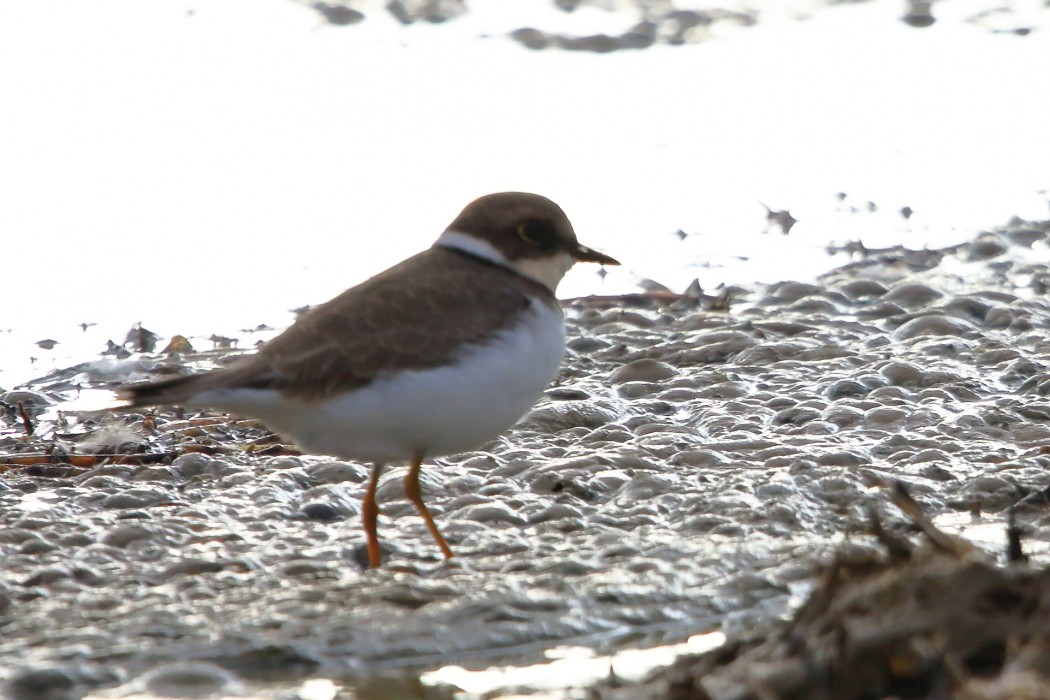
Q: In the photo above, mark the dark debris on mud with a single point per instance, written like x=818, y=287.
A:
x=935, y=620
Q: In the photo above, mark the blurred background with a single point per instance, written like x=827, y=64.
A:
x=203, y=168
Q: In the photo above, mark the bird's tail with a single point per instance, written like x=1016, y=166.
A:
x=164, y=392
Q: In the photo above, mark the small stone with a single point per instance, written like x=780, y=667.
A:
x=882, y=417
x=847, y=387
x=569, y=414
x=339, y=15
x=124, y=535
x=531, y=38
x=842, y=416
x=123, y=501
x=791, y=292
x=557, y=511
x=902, y=373
x=984, y=249
x=36, y=546
x=45, y=577
x=337, y=472
x=192, y=464
x=42, y=684
x=323, y=512
x=566, y=394
x=190, y=567
x=912, y=295
x=795, y=416
x=933, y=324
x=307, y=568
x=492, y=513
x=191, y=679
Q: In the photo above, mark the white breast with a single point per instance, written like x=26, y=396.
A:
x=439, y=411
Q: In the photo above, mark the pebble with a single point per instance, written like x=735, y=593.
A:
x=491, y=513
x=189, y=567
x=132, y=499
x=124, y=535
x=862, y=289
x=985, y=248
x=793, y=291
x=885, y=417
x=36, y=546
x=321, y=511
x=842, y=416
x=879, y=310
x=842, y=458
x=191, y=679
x=308, y=568
x=708, y=350
x=560, y=416
x=902, y=373
x=795, y=416
x=933, y=324
x=1025, y=236
x=192, y=464
x=556, y=511
x=912, y=295
x=42, y=684
x=643, y=370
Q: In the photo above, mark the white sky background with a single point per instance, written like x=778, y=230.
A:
x=204, y=173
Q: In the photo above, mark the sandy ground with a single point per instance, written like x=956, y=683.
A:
x=692, y=467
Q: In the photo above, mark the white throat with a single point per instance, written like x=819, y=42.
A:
x=547, y=271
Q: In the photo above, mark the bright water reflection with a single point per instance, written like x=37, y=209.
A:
x=568, y=668
x=175, y=169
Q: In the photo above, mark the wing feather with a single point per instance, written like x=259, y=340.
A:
x=443, y=299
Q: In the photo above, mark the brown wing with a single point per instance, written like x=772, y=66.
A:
x=442, y=298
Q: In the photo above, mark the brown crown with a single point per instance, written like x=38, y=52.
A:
x=523, y=225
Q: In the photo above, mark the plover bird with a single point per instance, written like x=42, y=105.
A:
x=435, y=356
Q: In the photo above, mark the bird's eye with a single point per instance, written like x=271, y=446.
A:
x=537, y=233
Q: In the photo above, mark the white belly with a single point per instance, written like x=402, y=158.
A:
x=439, y=411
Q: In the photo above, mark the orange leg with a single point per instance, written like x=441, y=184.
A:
x=414, y=495
x=369, y=516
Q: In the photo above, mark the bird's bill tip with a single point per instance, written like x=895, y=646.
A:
x=585, y=254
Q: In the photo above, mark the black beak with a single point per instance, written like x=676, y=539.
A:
x=585, y=254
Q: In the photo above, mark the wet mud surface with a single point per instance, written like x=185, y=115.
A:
x=697, y=464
